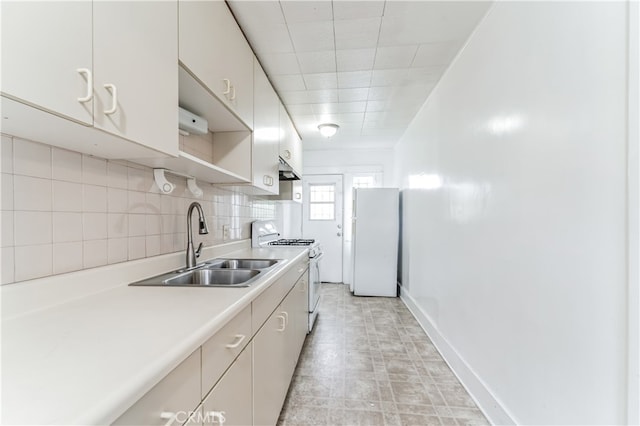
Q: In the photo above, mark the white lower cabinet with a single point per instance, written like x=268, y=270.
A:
x=230, y=401
x=169, y=401
x=276, y=348
x=261, y=356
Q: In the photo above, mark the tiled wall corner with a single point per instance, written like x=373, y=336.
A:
x=63, y=211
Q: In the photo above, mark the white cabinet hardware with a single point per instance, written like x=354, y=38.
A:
x=88, y=75
x=114, y=98
x=238, y=341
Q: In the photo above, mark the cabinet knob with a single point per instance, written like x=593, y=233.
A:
x=287, y=154
x=227, y=82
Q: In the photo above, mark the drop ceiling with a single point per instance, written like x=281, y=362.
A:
x=367, y=66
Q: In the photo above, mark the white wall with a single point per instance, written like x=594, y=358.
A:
x=514, y=192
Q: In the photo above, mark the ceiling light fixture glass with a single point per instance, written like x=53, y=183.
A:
x=328, y=129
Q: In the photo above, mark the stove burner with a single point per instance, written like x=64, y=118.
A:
x=292, y=242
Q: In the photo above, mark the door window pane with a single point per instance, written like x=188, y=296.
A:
x=322, y=202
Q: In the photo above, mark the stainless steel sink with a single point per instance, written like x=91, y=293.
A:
x=214, y=273
x=241, y=263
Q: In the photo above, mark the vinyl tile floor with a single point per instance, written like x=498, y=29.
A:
x=368, y=362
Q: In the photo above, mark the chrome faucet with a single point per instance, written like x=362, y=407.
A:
x=192, y=254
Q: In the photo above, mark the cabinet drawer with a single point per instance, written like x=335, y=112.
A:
x=219, y=351
x=176, y=395
x=265, y=304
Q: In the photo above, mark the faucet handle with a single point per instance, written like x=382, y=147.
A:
x=199, y=250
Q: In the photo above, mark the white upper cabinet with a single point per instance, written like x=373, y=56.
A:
x=105, y=65
x=47, y=56
x=136, y=71
x=266, y=133
x=214, y=50
x=290, y=143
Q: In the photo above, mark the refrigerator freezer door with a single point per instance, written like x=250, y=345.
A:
x=375, y=241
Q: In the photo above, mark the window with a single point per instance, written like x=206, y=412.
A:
x=322, y=202
x=363, y=181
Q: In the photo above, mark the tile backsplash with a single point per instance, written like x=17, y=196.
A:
x=63, y=211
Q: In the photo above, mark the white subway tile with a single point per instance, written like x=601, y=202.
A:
x=33, y=262
x=137, y=202
x=6, y=152
x=169, y=224
x=154, y=203
x=153, y=245
x=7, y=192
x=94, y=171
x=153, y=224
x=7, y=229
x=117, y=200
x=94, y=226
x=67, y=196
x=31, y=193
x=166, y=243
x=7, y=265
x=31, y=159
x=117, y=175
x=118, y=249
x=139, y=179
x=137, y=225
x=94, y=198
x=66, y=165
x=118, y=225
x=67, y=257
x=137, y=247
x=94, y=253
x=32, y=228
x=67, y=227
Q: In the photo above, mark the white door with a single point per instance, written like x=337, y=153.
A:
x=322, y=220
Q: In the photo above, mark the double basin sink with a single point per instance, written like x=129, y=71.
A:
x=214, y=273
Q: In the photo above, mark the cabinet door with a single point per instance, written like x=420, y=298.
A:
x=270, y=366
x=290, y=143
x=136, y=71
x=265, y=133
x=44, y=44
x=230, y=400
x=214, y=49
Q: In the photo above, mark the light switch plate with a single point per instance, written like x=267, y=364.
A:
x=225, y=232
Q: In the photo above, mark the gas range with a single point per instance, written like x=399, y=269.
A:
x=264, y=233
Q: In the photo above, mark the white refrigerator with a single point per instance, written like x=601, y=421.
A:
x=375, y=230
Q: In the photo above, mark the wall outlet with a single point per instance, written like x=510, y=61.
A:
x=225, y=232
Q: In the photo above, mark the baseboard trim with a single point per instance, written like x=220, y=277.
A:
x=486, y=401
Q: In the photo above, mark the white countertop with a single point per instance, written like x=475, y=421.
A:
x=87, y=359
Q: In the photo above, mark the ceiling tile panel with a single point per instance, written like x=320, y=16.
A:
x=307, y=11
x=355, y=59
x=394, y=57
x=357, y=9
x=354, y=79
x=373, y=106
x=257, y=13
x=357, y=33
x=295, y=97
x=272, y=38
x=312, y=36
x=388, y=77
x=353, y=95
x=421, y=22
x=317, y=62
x=342, y=107
x=300, y=109
x=320, y=96
x=327, y=80
x=284, y=83
x=351, y=117
x=431, y=54
x=381, y=93
x=279, y=63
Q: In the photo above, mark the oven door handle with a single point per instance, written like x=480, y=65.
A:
x=317, y=258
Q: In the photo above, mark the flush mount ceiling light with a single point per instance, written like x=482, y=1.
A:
x=328, y=129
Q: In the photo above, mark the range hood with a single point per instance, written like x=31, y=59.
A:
x=286, y=171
